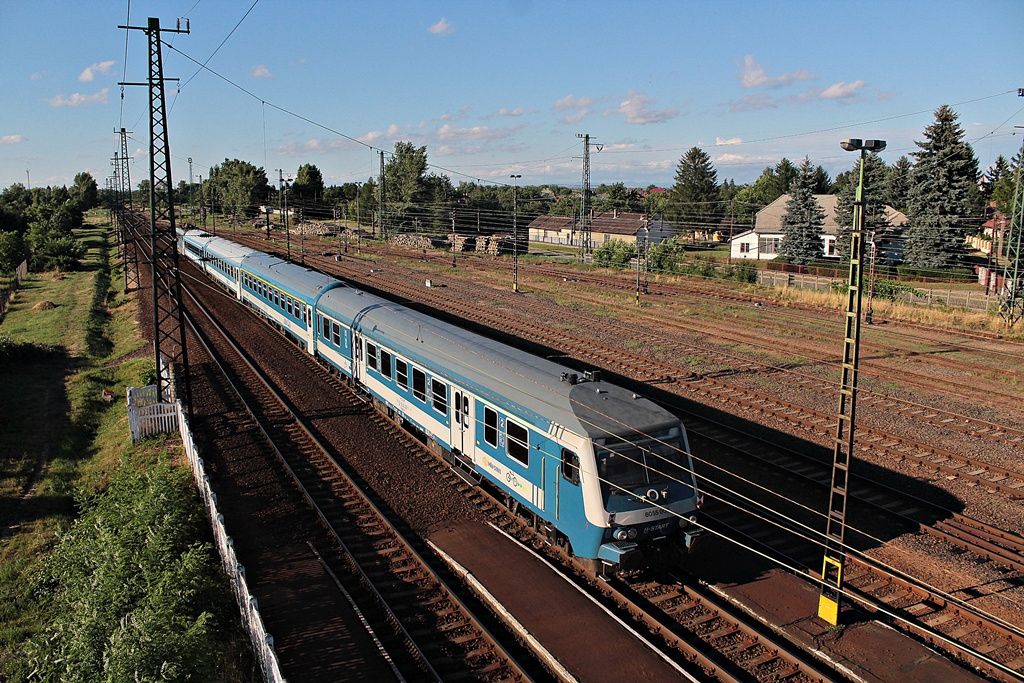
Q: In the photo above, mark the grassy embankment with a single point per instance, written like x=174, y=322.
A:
x=66, y=338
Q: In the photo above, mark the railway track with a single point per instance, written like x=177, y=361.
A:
x=432, y=633
x=704, y=634
x=787, y=411
x=655, y=372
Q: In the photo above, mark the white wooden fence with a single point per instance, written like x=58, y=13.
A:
x=148, y=416
x=262, y=642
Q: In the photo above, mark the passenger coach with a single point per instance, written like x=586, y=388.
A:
x=600, y=469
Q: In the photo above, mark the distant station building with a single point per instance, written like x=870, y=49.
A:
x=604, y=226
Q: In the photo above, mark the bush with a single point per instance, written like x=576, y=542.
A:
x=129, y=593
x=615, y=253
x=60, y=253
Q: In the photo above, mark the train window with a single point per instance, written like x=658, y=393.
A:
x=570, y=466
x=419, y=384
x=371, y=355
x=518, y=443
x=336, y=333
x=325, y=327
x=491, y=426
x=385, y=363
x=402, y=373
x=440, y=392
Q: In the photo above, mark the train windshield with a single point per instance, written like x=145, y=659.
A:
x=628, y=467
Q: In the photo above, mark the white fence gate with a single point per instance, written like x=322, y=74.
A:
x=147, y=416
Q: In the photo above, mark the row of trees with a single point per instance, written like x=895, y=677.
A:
x=940, y=190
x=942, y=193
x=37, y=224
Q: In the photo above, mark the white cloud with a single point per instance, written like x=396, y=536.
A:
x=393, y=130
x=260, y=71
x=371, y=136
x=90, y=71
x=753, y=102
x=753, y=75
x=79, y=100
x=575, y=118
x=36, y=76
x=841, y=90
x=570, y=102
x=636, y=108
x=730, y=159
x=461, y=114
x=454, y=133
x=11, y=139
x=442, y=28
x=730, y=141
x=518, y=111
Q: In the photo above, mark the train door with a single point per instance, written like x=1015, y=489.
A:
x=357, y=357
x=307, y=318
x=462, y=424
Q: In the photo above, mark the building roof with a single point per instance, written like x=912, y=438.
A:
x=769, y=219
x=613, y=222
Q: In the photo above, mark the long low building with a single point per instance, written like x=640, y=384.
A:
x=604, y=226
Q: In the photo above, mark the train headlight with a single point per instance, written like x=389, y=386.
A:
x=631, y=533
x=620, y=534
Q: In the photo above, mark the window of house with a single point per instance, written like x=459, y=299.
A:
x=402, y=373
x=517, y=445
x=490, y=426
x=371, y=355
x=744, y=247
x=769, y=245
x=419, y=384
x=440, y=392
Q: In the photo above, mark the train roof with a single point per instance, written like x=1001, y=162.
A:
x=297, y=280
x=501, y=373
x=232, y=252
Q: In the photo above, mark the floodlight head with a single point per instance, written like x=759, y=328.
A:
x=874, y=145
x=851, y=144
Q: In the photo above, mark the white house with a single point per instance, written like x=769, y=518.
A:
x=762, y=243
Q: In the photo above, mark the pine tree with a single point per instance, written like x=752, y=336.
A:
x=996, y=172
x=897, y=184
x=804, y=219
x=875, y=218
x=944, y=199
x=694, y=195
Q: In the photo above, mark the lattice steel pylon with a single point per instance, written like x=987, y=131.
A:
x=1011, y=295
x=127, y=221
x=586, y=225
x=168, y=315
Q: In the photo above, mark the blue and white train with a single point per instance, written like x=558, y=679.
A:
x=598, y=469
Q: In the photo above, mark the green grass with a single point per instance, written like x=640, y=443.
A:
x=59, y=361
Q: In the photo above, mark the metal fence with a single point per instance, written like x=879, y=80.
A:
x=262, y=642
x=9, y=288
x=975, y=301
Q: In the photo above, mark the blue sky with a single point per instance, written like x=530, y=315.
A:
x=500, y=87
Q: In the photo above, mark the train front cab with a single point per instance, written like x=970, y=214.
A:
x=649, y=495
